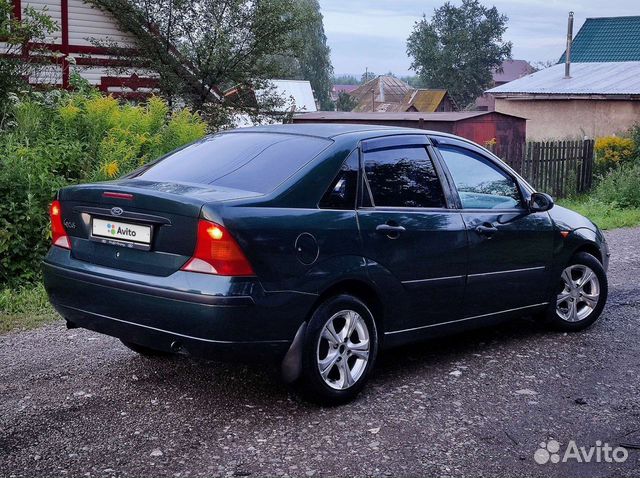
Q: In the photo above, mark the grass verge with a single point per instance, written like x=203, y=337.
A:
x=25, y=308
x=605, y=216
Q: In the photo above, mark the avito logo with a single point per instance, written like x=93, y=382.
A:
x=113, y=229
x=550, y=451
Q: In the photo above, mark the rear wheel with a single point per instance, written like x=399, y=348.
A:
x=341, y=344
x=582, y=294
x=146, y=351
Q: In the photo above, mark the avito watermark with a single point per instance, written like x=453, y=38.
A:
x=550, y=452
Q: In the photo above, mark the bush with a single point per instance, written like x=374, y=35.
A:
x=59, y=139
x=613, y=151
x=620, y=187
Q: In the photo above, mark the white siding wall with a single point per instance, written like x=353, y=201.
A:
x=52, y=9
x=87, y=23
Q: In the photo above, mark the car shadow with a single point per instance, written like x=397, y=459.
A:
x=450, y=348
x=259, y=384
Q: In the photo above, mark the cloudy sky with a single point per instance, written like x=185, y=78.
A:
x=373, y=33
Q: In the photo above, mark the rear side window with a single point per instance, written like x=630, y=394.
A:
x=403, y=177
x=250, y=161
x=342, y=192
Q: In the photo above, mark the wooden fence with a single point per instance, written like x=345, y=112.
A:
x=559, y=168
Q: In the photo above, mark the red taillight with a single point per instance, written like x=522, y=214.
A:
x=58, y=234
x=217, y=252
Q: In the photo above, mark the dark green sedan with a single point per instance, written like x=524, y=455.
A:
x=319, y=246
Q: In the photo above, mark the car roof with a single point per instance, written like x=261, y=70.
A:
x=331, y=130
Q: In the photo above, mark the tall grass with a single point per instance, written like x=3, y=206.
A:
x=57, y=139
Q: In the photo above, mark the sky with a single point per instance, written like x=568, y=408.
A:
x=373, y=33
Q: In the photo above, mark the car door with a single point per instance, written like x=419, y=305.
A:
x=510, y=248
x=409, y=230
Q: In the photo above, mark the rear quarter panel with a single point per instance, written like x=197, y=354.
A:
x=268, y=237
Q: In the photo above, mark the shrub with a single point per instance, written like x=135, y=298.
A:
x=634, y=134
x=59, y=139
x=620, y=187
x=612, y=151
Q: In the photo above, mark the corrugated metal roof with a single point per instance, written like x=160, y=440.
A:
x=423, y=100
x=607, y=39
x=386, y=91
x=586, y=79
x=407, y=116
x=297, y=91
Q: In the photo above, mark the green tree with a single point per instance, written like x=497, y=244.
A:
x=367, y=76
x=345, y=80
x=414, y=81
x=459, y=48
x=33, y=28
x=201, y=47
x=346, y=102
x=315, y=55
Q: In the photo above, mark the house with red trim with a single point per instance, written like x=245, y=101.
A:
x=74, y=48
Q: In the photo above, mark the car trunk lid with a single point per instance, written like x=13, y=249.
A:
x=135, y=225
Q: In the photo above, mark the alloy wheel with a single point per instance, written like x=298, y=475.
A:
x=580, y=293
x=343, y=349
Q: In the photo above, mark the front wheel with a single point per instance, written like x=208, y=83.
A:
x=341, y=344
x=582, y=295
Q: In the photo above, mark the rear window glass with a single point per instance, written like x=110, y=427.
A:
x=250, y=161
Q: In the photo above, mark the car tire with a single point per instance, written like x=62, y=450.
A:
x=582, y=294
x=146, y=351
x=335, y=363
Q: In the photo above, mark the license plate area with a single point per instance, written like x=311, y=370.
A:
x=121, y=233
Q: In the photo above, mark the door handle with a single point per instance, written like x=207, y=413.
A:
x=487, y=230
x=390, y=230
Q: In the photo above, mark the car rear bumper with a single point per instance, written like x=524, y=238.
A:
x=203, y=315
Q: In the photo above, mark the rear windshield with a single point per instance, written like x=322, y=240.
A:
x=250, y=161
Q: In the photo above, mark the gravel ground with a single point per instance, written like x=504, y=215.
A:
x=74, y=403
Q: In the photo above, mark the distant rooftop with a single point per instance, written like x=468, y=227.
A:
x=386, y=91
x=603, y=78
x=425, y=100
x=338, y=116
x=511, y=70
x=344, y=88
x=606, y=39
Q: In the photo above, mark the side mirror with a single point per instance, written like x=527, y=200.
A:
x=540, y=202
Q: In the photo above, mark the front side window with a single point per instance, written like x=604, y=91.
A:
x=403, y=177
x=480, y=183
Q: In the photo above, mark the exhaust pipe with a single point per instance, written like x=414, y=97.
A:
x=567, y=56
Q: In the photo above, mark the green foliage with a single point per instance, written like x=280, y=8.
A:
x=198, y=46
x=459, y=48
x=315, y=56
x=25, y=308
x=346, y=102
x=33, y=28
x=634, y=134
x=367, y=76
x=606, y=216
x=613, y=151
x=620, y=187
x=60, y=139
x=345, y=80
x=414, y=81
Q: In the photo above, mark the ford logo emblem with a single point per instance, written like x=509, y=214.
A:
x=116, y=211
